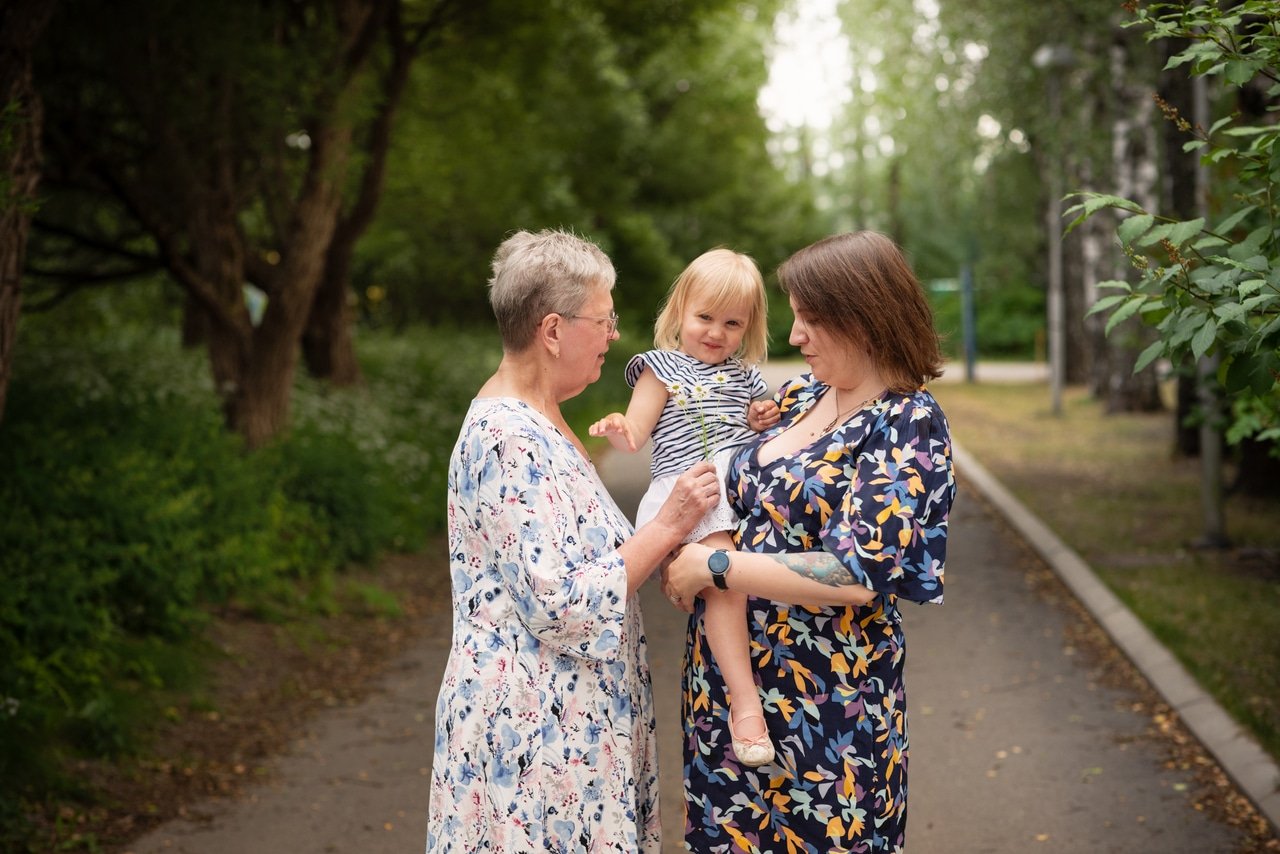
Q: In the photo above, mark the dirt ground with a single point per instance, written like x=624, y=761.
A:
x=269, y=684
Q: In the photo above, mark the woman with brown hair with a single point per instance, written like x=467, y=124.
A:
x=843, y=508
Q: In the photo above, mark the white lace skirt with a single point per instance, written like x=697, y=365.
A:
x=719, y=518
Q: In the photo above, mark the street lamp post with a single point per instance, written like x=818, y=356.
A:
x=1054, y=59
x=968, y=322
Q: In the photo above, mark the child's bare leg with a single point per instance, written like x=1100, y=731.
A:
x=725, y=623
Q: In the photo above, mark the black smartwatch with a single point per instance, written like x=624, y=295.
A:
x=718, y=563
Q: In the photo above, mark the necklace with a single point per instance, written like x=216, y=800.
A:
x=840, y=416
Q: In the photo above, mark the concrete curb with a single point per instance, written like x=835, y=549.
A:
x=1243, y=760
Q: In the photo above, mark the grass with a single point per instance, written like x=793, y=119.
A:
x=1111, y=488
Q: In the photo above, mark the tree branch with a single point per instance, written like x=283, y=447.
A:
x=166, y=239
x=96, y=243
x=405, y=43
x=79, y=282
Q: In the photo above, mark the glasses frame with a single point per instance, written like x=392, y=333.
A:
x=610, y=322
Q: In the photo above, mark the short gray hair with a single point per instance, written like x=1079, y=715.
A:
x=536, y=274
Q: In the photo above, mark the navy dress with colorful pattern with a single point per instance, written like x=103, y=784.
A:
x=876, y=492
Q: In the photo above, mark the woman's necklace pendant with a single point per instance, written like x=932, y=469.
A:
x=840, y=415
x=827, y=427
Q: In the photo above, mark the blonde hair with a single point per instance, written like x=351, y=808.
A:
x=536, y=274
x=720, y=277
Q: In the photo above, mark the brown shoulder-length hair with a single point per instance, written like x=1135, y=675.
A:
x=860, y=286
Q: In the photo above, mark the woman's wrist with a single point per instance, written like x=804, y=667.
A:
x=667, y=535
x=703, y=552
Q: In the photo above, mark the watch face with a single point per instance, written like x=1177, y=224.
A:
x=718, y=562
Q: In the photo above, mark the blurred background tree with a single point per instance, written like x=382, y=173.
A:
x=230, y=146
x=268, y=151
x=1202, y=269
x=306, y=168
x=635, y=124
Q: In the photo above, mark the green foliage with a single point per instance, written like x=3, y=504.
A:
x=1213, y=288
x=1007, y=318
x=130, y=505
x=131, y=512
x=350, y=492
x=936, y=147
x=633, y=124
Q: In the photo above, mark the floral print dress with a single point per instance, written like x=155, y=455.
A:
x=544, y=721
x=876, y=492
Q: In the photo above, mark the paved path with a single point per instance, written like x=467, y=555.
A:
x=1018, y=742
x=996, y=372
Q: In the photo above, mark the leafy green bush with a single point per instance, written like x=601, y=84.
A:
x=131, y=512
x=131, y=507
x=1007, y=320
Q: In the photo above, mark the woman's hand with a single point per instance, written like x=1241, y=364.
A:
x=696, y=491
x=693, y=494
x=687, y=575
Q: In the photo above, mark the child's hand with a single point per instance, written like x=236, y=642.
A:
x=617, y=429
x=762, y=414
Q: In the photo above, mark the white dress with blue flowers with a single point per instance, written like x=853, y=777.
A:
x=544, y=721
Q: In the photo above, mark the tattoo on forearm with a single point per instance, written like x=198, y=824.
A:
x=822, y=567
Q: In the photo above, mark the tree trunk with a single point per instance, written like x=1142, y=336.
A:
x=195, y=323
x=259, y=409
x=897, y=223
x=21, y=23
x=254, y=366
x=215, y=309
x=1077, y=296
x=1186, y=434
x=1180, y=199
x=1096, y=237
x=328, y=344
x=1134, y=155
x=1092, y=246
x=1259, y=470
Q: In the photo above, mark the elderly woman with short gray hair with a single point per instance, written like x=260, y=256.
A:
x=544, y=720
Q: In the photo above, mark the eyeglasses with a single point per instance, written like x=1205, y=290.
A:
x=610, y=322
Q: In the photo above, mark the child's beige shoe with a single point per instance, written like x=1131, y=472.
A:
x=752, y=751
